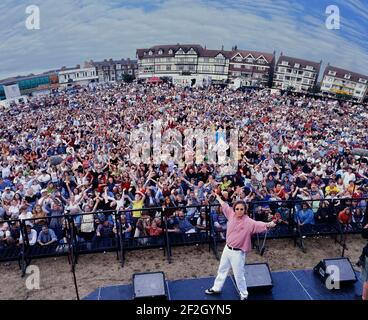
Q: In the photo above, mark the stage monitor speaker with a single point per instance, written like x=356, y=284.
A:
x=258, y=277
x=339, y=271
x=149, y=286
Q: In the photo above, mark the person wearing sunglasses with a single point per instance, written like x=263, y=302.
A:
x=240, y=228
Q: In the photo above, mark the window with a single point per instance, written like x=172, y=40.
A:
x=160, y=52
x=219, y=69
x=347, y=76
x=362, y=80
x=297, y=65
x=282, y=70
x=150, y=53
x=249, y=60
x=168, y=67
x=238, y=59
x=284, y=63
x=261, y=68
x=170, y=51
x=309, y=68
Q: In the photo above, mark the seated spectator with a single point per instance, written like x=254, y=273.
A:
x=126, y=228
x=325, y=213
x=39, y=215
x=141, y=227
x=282, y=215
x=202, y=225
x=30, y=197
x=14, y=233
x=183, y=223
x=220, y=222
x=153, y=230
x=46, y=237
x=345, y=216
x=31, y=235
x=105, y=230
x=358, y=217
x=5, y=234
x=25, y=214
x=263, y=211
x=7, y=195
x=305, y=215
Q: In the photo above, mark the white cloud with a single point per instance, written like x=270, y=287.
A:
x=81, y=30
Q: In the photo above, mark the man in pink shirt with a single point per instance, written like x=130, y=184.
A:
x=238, y=243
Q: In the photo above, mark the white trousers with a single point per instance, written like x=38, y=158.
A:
x=234, y=259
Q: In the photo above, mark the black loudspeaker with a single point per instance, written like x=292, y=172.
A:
x=325, y=270
x=258, y=277
x=149, y=286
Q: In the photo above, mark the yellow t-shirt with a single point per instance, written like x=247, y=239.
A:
x=137, y=204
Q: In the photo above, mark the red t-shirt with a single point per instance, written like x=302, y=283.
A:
x=154, y=232
x=344, y=218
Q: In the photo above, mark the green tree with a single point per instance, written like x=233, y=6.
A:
x=128, y=78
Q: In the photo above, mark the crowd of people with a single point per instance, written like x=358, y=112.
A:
x=69, y=153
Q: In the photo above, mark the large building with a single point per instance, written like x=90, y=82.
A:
x=252, y=67
x=77, y=76
x=183, y=59
x=32, y=84
x=114, y=70
x=340, y=81
x=255, y=68
x=296, y=74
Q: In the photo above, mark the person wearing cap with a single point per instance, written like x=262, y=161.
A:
x=7, y=195
x=240, y=229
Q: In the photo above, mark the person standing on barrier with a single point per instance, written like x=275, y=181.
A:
x=240, y=229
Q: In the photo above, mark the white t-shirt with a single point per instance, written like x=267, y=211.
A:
x=348, y=177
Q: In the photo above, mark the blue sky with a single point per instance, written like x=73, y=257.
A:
x=73, y=31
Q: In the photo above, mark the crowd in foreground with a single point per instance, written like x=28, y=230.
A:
x=69, y=153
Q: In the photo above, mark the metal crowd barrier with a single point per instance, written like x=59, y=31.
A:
x=72, y=242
